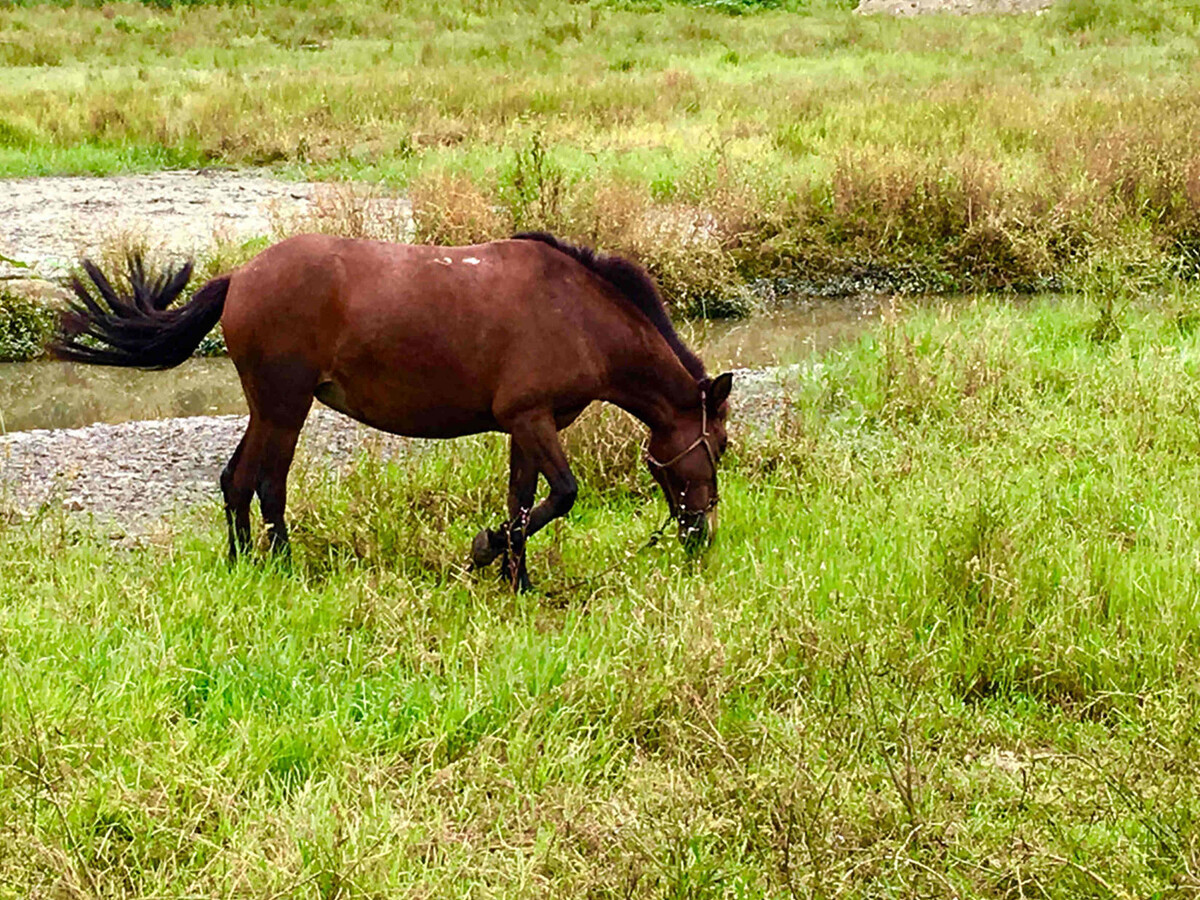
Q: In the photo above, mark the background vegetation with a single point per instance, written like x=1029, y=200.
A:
x=25, y=326
x=946, y=644
x=938, y=153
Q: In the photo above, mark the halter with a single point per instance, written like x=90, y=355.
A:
x=700, y=441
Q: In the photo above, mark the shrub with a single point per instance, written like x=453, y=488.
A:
x=452, y=209
x=25, y=326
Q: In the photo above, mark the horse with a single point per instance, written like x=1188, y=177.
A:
x=517, y=336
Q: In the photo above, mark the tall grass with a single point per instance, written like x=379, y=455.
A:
x=925, y=154
x=945, y=645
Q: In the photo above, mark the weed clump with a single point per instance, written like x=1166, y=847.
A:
x=683, y=245
x=26, y=325
x=451, y=209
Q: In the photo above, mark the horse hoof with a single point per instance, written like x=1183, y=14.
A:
x=482, y=551
x=517, y=581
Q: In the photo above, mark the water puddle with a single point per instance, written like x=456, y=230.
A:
x=782, y=337
x=64, y=395
x=46, y=394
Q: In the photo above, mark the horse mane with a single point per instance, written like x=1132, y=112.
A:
x=634, y=283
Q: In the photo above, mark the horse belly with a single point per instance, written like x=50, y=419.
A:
x=407, y=410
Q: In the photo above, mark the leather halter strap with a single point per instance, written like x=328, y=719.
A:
x=700, y=441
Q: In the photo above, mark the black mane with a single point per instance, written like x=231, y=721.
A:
x=634, y=283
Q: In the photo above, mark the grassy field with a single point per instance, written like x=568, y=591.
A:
x=946, y=645
x=947, y=642
x=940, y=153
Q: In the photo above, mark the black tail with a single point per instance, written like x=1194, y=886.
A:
x=138, y=330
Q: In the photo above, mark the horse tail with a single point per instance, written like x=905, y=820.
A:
x=137, y=329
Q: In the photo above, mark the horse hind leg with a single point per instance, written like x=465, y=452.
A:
x=272, y=483
x=260, y=464
x=280, y=394
x=237, y=485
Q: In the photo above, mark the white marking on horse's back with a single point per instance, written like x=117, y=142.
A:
x=444, y=261
x=471, y=261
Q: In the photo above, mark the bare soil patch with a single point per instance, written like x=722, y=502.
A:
x=49, y=223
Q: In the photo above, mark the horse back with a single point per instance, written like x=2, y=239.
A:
x=396, y=326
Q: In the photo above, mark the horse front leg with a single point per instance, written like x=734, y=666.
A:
x=535, y=449
x=491, y=543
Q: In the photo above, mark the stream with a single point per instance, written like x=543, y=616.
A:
x=46, y=394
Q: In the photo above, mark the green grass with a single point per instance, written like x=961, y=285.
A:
x=937, y=153
x=946, y=645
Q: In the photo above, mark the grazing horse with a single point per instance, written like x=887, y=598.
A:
x=518, y=336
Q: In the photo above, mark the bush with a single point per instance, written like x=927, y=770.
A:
x=25, y=326
x=683, y=245
x=1147, y=18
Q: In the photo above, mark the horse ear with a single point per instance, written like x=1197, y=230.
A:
x=718, y=390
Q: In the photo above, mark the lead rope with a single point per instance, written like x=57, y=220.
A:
x=514, y=567
x=655, y=537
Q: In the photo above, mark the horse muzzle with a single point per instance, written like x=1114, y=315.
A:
x=697, y=530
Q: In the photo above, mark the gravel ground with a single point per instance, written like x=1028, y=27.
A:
x=48, y=223
x=960, y=7
x=132, y=474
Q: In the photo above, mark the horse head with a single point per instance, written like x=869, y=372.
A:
x=683, y=459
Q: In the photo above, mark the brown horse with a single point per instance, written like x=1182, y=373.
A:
x=518, y=336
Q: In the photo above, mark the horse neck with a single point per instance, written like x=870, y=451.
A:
x=654, y=388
